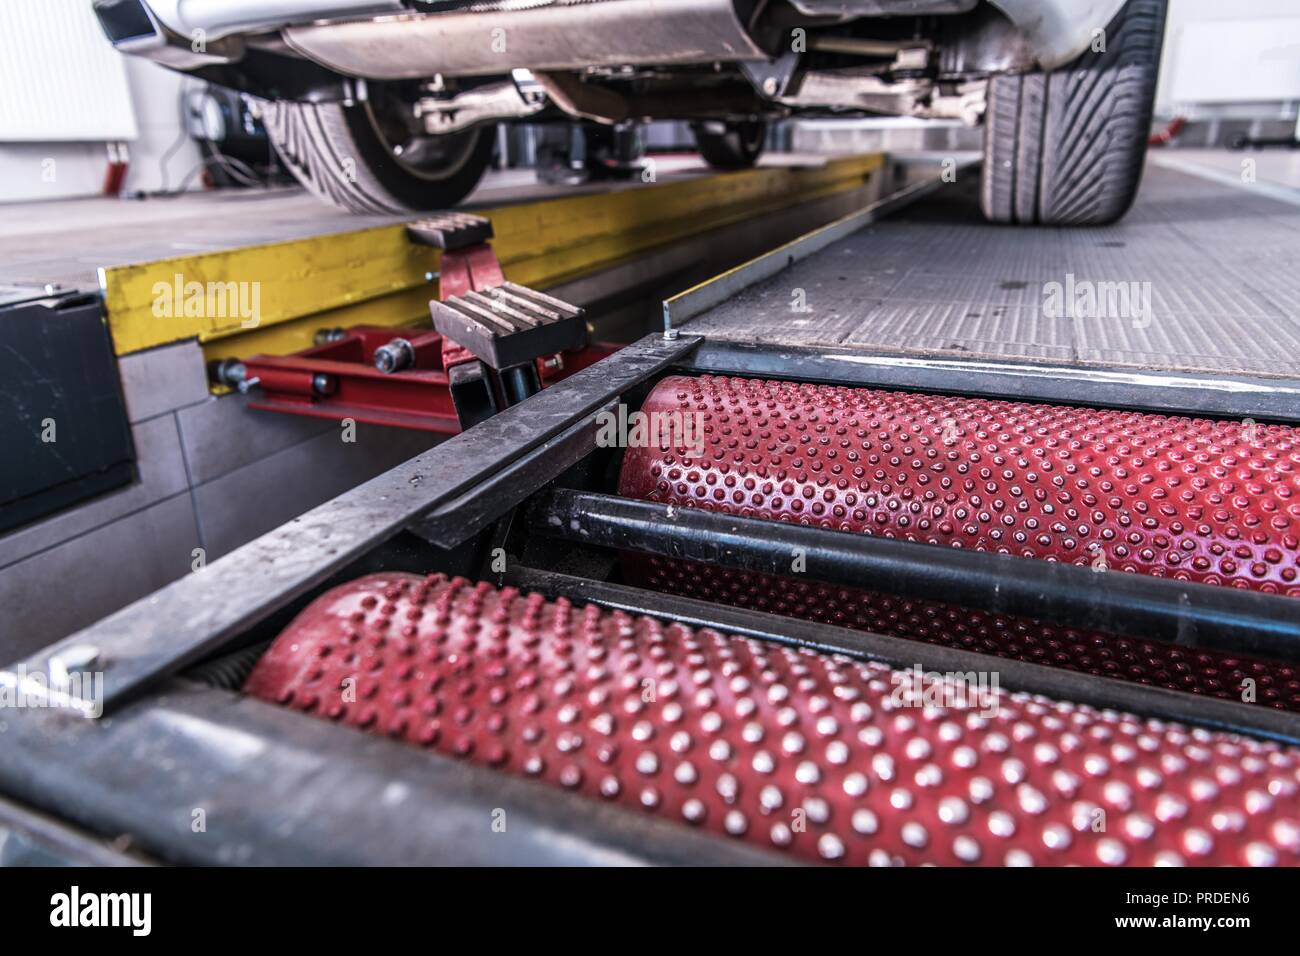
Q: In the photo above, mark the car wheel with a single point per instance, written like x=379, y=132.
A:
x=730, y=145
x=1067, y=147
x=366, y=157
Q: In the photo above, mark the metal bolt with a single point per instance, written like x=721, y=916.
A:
x=231, y=373
x=670, y=334
x=395, y=356
x=323, y=384
x=770, y=86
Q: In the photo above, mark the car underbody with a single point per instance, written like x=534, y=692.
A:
x=387, y=106
x=612, y=60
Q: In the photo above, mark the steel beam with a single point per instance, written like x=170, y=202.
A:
x=160, y=634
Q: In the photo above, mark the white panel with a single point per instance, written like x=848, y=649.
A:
x=60, y=79
x=1236, y=61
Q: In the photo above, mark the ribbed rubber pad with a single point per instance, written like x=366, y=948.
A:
x=822, y=757
x=1212, y=502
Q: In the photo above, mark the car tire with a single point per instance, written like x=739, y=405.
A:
x=730, y=145
x=339, y=152
x=1067, y=147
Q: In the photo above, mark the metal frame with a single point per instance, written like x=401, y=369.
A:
x=310, y=793
x=308, y=796
x=379, y=276
x=1170, y=393
x=159, y=635
x=279, y=787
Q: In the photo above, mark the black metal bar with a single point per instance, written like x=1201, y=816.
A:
x=1174, y=612
x=1062, y=684
x=277, y=787
x=1170, y=393
x=471, y=393
x=458, y=520
x=518, y=382
x=162, y=633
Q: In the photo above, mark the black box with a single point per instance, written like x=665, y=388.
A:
x=58, y=380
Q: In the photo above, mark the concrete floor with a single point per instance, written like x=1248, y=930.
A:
x=1271, y=167
x=65, y=241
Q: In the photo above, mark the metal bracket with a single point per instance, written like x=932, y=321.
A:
x=773, y=78
x=509, y=99
x=450, y=230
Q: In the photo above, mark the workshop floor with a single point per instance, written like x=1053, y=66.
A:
x=36, y=238
x=1213, y=261
x=1279, y=167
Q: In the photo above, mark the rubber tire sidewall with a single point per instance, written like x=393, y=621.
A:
x=1068, y=147
x=335, y=152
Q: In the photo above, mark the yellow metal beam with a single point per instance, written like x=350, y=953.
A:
x=376, y=276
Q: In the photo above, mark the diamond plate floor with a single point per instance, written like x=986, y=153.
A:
x=937, y=280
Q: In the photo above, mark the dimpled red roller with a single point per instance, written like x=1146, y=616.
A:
x=1192, y=499
x=822, y=757
x=1213, y=502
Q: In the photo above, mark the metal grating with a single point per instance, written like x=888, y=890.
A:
x=1218, y=261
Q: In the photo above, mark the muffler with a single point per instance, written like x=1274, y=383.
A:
x=492, y=39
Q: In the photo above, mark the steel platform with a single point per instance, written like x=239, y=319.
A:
x=936, y=281
x=531, y=482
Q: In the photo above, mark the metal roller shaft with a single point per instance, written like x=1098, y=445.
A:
x=824, y=758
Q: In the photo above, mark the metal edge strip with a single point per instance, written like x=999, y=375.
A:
x=698, y=299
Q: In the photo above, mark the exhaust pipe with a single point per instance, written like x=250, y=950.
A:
x=563, y=35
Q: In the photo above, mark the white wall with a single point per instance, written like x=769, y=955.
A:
x=1224, y=52
x=56, y=170
x=156, y=93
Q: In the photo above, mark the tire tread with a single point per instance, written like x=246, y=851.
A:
x=1067, y=147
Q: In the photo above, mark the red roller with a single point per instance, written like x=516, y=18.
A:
x=1196, y=500
x=1212, y=502
x=821, y=757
